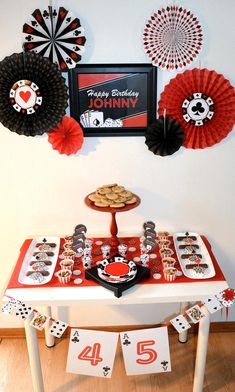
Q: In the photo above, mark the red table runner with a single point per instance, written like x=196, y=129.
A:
x=132, y=242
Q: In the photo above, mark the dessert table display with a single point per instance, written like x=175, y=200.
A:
x=152, y=268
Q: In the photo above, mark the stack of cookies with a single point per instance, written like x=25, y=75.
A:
x=112, y=195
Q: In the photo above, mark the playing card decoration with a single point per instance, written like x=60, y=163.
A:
x=67, y=136
x=146, y=351
x=91, y=352
x=180, y=323
x=227, y=299
x=172, y=38
x=212, y=304
x=57, y=328
x=203, y=102
x=165, y=136
x=33, y=94
x=57, y=34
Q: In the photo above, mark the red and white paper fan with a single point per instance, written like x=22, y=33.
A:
x=67, y=136
x=57, y=34
x=172, y=38
x=203, y=102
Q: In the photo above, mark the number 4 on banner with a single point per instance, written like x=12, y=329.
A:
x=94, y=356
x=146, y=351
x=91, y=352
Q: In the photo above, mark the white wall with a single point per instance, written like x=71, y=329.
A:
x=42, y=192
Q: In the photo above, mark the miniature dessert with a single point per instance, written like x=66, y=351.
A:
x=44, y=247
x=69, y=254
x=39, y=266
x=67, y=246
x=164, y=244
x=163, y=235
x=168, y=262
x=64, y=276
x=198, y=271
x=166, y=252
x=170, y=274
x=112, y=195
x=67, y=264
x=149, y=225
x=68, y=239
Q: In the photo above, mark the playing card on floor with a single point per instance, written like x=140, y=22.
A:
x=212, y=304
x=91, y=352
x=57, y=328
x=195, y=313
x=180, y=323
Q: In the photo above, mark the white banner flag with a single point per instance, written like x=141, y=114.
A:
x=91, y=352
x=146, y=351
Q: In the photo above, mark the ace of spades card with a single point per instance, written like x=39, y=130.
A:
x=146, y=351
x=91, y=353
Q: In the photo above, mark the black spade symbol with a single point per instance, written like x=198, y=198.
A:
x=209, y=300
x=198, y=109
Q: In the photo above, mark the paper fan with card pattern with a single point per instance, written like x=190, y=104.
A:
x=172, y=38
x=33, y=94
x=203, y=102
x=164, y=137
x=56, y=34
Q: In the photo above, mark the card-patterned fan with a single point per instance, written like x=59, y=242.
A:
x=172, y=38
x=203, y=102
x=57, y=34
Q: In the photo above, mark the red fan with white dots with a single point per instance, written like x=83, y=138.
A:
x=172, y=38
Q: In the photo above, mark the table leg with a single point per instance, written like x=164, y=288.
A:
x=183, y=336
x=34, y=357
x=50, y=340
x=114, y=231
x=202, y=342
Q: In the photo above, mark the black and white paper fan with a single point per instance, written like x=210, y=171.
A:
x=165, y=136
x=33, y=94
x=56, y=34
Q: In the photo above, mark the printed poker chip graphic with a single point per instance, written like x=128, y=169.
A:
x=33, y=94
x=198, y=109
x=25, y=96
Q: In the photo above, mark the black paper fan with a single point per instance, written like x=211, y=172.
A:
x=33, y=94
x=165, y=136
x=55, y=33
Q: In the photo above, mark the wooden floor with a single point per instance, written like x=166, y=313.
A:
x=220, y=370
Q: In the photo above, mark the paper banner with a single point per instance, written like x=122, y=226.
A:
x=22, y=311
x=212, y=304
x=146, y=351
x=57, y=328
x=91, y=352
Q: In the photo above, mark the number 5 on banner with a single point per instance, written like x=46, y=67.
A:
x=94, y=357
x=146, y=351
x=142, y=348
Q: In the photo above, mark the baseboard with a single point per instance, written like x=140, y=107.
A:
x=17, y=333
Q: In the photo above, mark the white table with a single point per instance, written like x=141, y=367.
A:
x=181, y=293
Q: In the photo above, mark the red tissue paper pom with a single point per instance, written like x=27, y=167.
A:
x=67, y=136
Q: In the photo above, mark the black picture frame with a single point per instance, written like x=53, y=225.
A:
x=124, y=93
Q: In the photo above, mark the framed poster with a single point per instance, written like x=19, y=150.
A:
x=113, y=100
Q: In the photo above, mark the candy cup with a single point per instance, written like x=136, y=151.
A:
x=170, y=274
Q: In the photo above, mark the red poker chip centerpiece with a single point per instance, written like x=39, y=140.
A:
x=118, y=270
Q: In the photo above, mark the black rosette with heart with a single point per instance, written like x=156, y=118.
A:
x=165, y=136
x=33, y=94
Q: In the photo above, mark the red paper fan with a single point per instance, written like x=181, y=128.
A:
x=67, y=137
x=172, y=38
x=204, y=104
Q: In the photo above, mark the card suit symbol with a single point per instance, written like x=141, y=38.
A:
x=106, y=370
x=209, y=300
x=25, y=95
x=198, y=108
x=126, y=342
x=45, y=14
x=28, y=38
x=75, y=340
x=62, y=14
x=96, y=122
x=34, y=23
x=29, y=29
x=68, y=60
x=164, y=365
x=54, y=13
x=74, y=25
x=44, y=240
x=76, y=33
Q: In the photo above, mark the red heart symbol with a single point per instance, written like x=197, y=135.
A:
x=25, y=95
